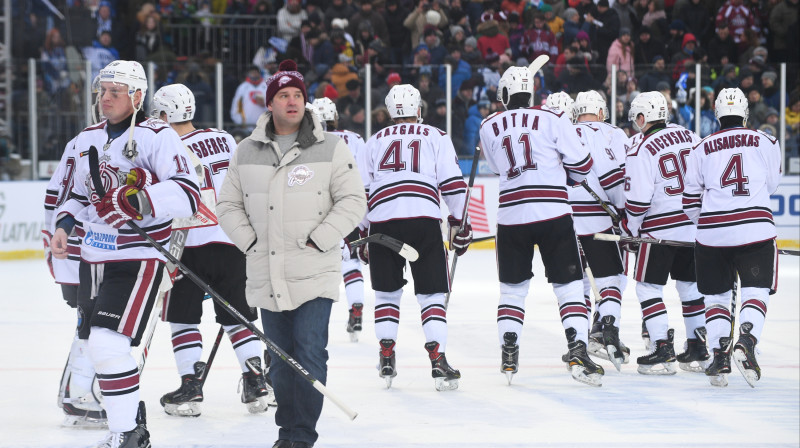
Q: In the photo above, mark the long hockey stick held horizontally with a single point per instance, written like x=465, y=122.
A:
x=405, y=251
x=633, y=239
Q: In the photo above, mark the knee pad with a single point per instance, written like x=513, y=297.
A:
x=687, y=291
x=106, y=346
x=761, y=294
x=718, y=300
x=393, y=297
x=607, y=282
x=647, y=291
x=567, y=291
x=511, y=293
x=425, y=300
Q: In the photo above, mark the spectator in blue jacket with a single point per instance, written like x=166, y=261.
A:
x=460, y=71
x=477, y=112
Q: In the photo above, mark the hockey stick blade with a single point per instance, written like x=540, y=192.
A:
x=538, y=63
x=405, y=251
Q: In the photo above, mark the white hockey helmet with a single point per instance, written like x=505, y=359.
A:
x=560, y=101
x=130, y=73
x=652, y=105
x=404, y=101
x=515, y=80
x=175, y=100
x=589, y=102
x=325, y=109
x=97, y=112
x=731, y=102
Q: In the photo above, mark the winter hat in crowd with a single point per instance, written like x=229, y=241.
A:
x=582, y=35
x=688, y=37
x=287, y=76
x=623, y=31
x=544, y=7
x=677, y=24
x=471, y=42
x=393, y=78
x=770, y=75
x=331, y=93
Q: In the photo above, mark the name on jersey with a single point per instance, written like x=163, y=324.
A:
x=403, y=129
x=668, y=139
x=100, y=240
x=210, y=146
x=730, y=142
x=534, y=125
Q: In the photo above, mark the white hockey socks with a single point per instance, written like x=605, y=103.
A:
x=187, y=345
x=245, y=344
x=81, y=374
x=572, y=307
x=511, y=309
x=718, y=317
x=610, y=297
x=387, y=314
x=654, y=312
x=434, y=318
x=353, y=282
x=754, y=309
x=118, y=376
x=693, y=307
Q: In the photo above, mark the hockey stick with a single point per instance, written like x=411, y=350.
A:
x=211, y=356
x=614, y=216
x=482, y=239
x=464, y=215
x=405, y=251
x=538, y=63
x=633, y=239
x=94, y=171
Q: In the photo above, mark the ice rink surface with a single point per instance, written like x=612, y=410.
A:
x=543, y=407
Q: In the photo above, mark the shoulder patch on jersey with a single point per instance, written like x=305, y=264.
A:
x=547, y=109
x=588, y=124
x=772, y=139
x=97, y=126
x=154, y=124
x=488, y=117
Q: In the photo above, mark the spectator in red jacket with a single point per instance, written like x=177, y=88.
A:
x=539, y=40
x=491, y=38
x=739, y=19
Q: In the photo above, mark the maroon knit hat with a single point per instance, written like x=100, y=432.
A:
x=286, y=76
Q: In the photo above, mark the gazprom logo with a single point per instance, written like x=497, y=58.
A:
x=100, y=240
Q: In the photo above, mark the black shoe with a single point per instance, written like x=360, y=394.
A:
x=138, y=437
x=446, y=377
x=282, y=444
x=254, y=391
x=183, y=401
x=302, y=445
x=695, y=352
x=744, y=354
x=720, y=366
x=663, y=354
x=582, y=368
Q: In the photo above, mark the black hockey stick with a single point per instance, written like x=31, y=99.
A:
x=633, y=239
x=405, y=251
x=211, y=356
x=482, y=239
x=614, y=216
x=94, y=171
x=464, y=216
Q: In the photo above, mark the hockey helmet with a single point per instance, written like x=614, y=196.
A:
x=589, y=102
x=130, y=73
x=560, y=101
x=653, y=105
x=515, y=80
x=97, y=112
x=731, y=102
x=175, y=100
x=325, y=109
x=404, y=101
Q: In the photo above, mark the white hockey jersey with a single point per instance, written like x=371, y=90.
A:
x=729, y=179
x=532, y=149
x=654, y=171
x=248, y=103
x=405, y=167
x=606, y=143
x=214, y=148
x=354, y=141
x=57, y=190
x=156, y=148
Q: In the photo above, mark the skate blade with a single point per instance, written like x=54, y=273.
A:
x=579, y=375
x=647, y=344
x=443, y=384
x=694, y=366
x=749, y=375
x=612, y=356
x=667, y=368
x=354, y=335
x=388, y=381
x=81, y=422
x=188, y=409
x=720, y=380
x=509, y=376
x=597, y=350
x=260, y=405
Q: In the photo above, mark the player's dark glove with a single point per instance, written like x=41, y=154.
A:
x=460, y=236
x=363, y=250
x=627, y=246
x=140, y=178
x=116, y=208
x=352, y=236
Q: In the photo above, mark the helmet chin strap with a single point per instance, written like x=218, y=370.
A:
x=133, y=122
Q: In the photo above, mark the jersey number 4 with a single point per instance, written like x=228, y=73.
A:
x=392, y=159
x=734, y=175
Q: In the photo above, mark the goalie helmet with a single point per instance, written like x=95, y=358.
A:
x=325, y=109
x=404, y=101
x=515, y=80
x=589, y=102
x=175, y=100
x=731, y=102
x=652, y=105
x=560, y=101
x=130, y=73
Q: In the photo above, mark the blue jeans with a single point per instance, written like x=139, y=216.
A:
x=303, y=334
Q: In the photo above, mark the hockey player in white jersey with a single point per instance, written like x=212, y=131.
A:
x=405, y=167
x=606, y=143
x=351, y=266
x=145, y=173
x=534, y=149
x=654, y=172
x=210, y=254
x=730, y=176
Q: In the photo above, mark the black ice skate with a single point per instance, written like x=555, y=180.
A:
x=617, y=352
x=82, y=412
x=185, y=401
x=510, y=355
x=744, y=355
x=695, y=357
x=354, y=321
x=720, y=366
x=386, y=366
x=646, y=337
x=662, y=355
x=445, y=377
x=255, y=392
x=582, y=368
x=138, y=437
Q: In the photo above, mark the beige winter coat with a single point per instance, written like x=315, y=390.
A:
x=312, y=192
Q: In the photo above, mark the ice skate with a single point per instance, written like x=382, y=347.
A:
x=720, y=366
x=582, y=368
x=83, y=412
x=695, y=357
x=607, y=345
x=744, y=355
x=445, y=377
x=646, y=337
x=662, y=355
x=185, y=401
x=386, y=367
x=510, y=355
x=138, y=437
x=255, y=393
x=354, y=321
x=271, y=397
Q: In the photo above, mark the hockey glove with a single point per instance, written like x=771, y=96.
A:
x=48, y=255
x=140, y=178
x=460, y=236
x=116, y=208
x=363, y=250
x=627, y=246
x=352, y=236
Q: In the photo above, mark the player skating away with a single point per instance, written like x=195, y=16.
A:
x=729, y=178
x=210, y=254
x=405, y=167
x=606, y=143
x=532, y=149
x=654, y=171
x=351, y=266
x=146, y=177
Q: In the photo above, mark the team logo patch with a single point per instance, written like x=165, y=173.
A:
x=130, y=151
x=105, y=241
x=283, y=80
x=300, y=175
